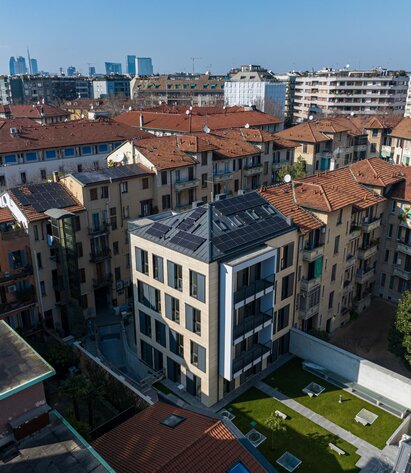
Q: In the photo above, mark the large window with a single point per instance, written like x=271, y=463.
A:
x=193, y=319
x=287, y=286
x=176, y=343
x=287, y=255
x=197, y=286
x=198, y=356
x=175, y=275
x=172, y=308
x=50, y=154
x=149, y=296
x=158, y=268
x=283, y=317
x=141, y=261
x=160, y=333
x=145, y=324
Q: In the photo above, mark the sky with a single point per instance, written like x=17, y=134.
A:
x=279, y=35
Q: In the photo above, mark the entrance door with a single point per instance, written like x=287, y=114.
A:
x=173, y=371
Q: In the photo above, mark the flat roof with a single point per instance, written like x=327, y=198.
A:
x=20, y=365
x=116, y=173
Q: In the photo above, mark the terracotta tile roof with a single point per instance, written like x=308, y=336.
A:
x=194, y=143
x=33, y=111
x=163, y=152
x=186, y=124
x=403, y=129
x=376, y=172
x=5, y=215
x=281, y=197
x=381, y=122
x=402, y=191
x=33, y=136
x=255, y=135
x=199, y=444
x=32, y=191
x=229, y=147
x=182, y=109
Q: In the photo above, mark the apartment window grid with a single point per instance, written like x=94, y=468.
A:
x=197, y=286
x=175, y=275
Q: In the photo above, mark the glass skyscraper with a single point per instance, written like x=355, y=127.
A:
x=131, y=65
x=113, y=68
x=144, y=66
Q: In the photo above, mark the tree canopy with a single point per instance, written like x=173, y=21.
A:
x=403, y=324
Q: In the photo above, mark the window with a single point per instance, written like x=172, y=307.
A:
x=176, y=343
x=287, y=286
x=145, y=183
x=160, y=329
x=172, y=308
x=197, y=286
x=126, y=211
x=36, y=232
x=204, y=180
x=287, y=255
x=50, y=154
x=103, y=148
x=193, y=319
x=390, y=227
x=175, y=275
x=79, y=168
x=166, y=201
x=331, y=300
x=149, y=296
x=104, y=192
x=83, y=301
x=69, y=152
x=392, y=282
x=86, y=150
x=141, y=261
x=283, y=317
x=373, y=148
x=42, y=288
x=198, y=356
x=23, y=177
x=383, y=277
x=96, y=165
x=204, y=159
x=393, y=206
x=305, y=148
x=124, y=187
x=77, y=225
x=158, y=268
x=333, y=272
x=93, y=194
x=164, y=179
x=79, y=249
x=115, y=248
x=145, y=324
x=82, y=275
x=336, y=244
x=387, y=256
x=339, y=217
x=31, y=156
x=39, y=263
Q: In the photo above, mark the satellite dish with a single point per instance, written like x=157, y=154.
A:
x=224, y=107
x=206, y=129
x=82, y=115
x=247, y=125
x=287, y=178
x=311, y=117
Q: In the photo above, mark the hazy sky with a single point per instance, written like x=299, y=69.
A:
x=280, y=35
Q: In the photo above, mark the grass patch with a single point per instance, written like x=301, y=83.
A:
x=302, y=438
x=290, y=379
x=161, y=387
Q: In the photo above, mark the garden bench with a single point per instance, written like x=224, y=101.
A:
x=336, y=449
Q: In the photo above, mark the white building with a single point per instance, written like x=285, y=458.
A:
x=346, y=91
x=407, y=112
x=253, y=85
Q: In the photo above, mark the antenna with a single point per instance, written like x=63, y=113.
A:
x=194, y=60
x=287, y=179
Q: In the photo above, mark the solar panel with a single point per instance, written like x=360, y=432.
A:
x=186, y=223
x=44, y=196
x=187, y=240
x=158, y=230
x=198, y=213
x=236, y=204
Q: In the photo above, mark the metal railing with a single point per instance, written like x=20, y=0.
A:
x=251, y=322
x=248, y=357
x=253, y=288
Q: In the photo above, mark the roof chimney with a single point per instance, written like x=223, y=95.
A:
x=141, y=120
x=56, y=176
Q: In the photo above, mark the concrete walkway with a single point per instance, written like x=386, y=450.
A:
x=369, y=454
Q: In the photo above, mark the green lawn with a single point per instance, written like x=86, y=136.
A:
x=290, y=379
x=302, y=438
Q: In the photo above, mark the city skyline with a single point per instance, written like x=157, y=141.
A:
x=321, y=38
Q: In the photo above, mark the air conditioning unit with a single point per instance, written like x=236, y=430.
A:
x=220, y=197
x=197, y=203
x=241, y=192
x=12, y=288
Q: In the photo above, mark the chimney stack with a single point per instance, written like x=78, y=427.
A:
x=56, y=176
x=141, y=120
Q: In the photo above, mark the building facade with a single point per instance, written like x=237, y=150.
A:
x=115, y=85
x=131, y=65
x=144, y=66
x=113, y=68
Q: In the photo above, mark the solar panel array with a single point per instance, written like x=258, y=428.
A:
x=158, y=230
x=239, y=203
x=117, y=172
x=187, y=240
x=198, y=212
x=258, y=231
x=43, y=197
x=186, y=224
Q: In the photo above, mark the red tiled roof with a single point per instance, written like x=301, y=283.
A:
x=33, y=136
x=199, y=444
x=229, y=147
x=5, y=215
x=403, y=129
x=33, y=111
x=376, y=172
x=281, y=197
x=402, y=191
x=182, y=109
x=194, y=144
x=187, y=124
x=255, y=135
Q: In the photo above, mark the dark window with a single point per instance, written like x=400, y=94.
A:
x=160, y=333
x=176, y=343
x=145, y=183
x=172, y=308
x=79, y=249
x=166, y=201
x=387, y=255
x=82, y=275
x=145, y=324
x=158, y=272
x=42, y=288
x=104, y=192
x=287, y=286
x=193, y=319
x=287, y=255
x=115, y=248
x=198, y=356
x=204, y=159
x=331, y=300
x=117, y=273
x=333, y=272
x=339, y=218
x=283, y=317
x=39, y=262
x=77, y=225
x=336, y=244
x=83, y=301
x=204, y=180
x=141, y=260
x=197, y=285
x=149, y=296
x=23, y=177
x=43, y=175
x=175, y=275
x=93, y=194
x=164, y=178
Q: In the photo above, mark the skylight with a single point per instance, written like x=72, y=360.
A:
x=172, y=421
x=238, y=467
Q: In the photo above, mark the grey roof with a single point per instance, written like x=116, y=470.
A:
x=403, y=462
x=110, y=174
x=220, y=229
x=57, y=213
x=20, y=366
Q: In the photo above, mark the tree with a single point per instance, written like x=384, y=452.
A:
x=296, y=170
x=403, y=323
x=73, y=387
x=91, y=393
x=276, y=424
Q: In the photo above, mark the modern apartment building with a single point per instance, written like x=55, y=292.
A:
x=31, y=153
x=331, y=143
x=178, y=89
x=213, y=292
x=255, y=86
x=289, y=79
x=329, y=92
x=113, y=85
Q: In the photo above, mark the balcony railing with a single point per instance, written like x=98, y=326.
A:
x=406, y=223
x=182, y=184
x=252, y=323
x=367, y=252
x=364, y=276
x=253, y=170
x=102, y=281
x=247, y=359
x=370, y=224
x=253, y=289
x=12, y=307
x=99, y=229
x=401, y=273
x=309, y=284
x=13, y=234
x=404, y=248
x=355, y=232
x=359, y=303
x=350, y=260
x=100, y=255
x=305, y=313
x=222, y=176
x=312, y=252
x=8, y=276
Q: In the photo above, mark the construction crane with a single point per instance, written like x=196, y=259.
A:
x=194, y=60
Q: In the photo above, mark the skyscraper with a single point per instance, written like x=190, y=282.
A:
x=144, y=66
x=91, y=71
x=131, y=65
x=20, y=66
x=12, y=65
x=71, y=70
x=34, y=68
x=113, y=67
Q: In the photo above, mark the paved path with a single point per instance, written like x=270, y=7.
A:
x=367, y=451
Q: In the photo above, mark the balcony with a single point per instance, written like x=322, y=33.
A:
x=102, y=281
x=312, y=252
x=249, y=358
x=364, y=276
x=401, y=273
x=370, y=224
x=305, y=313
x=100, y=255
x=406, y=223
x=8, y=276
x=98, y=229
x=252, y=324
x=362, y=302
x=350, y=261
x=254, y=290
x=222, y=176
x=13, y=234
x=253, y=170
x=11, y=308
x=188, y=183
x=355, y=232
x=347, y=286
x=404, y=248
x=365, y=253
x=309, y=284
x=387, y=151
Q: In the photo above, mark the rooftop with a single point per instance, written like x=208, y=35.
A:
x=147, y=443
x=5, y=215
x=254, y=135
x=117, y=173
x=403, y=129
x=218, y=229
x=402, y=191
x=376, y=172
x=34, y=111
x=20, y=366
x=30, y=135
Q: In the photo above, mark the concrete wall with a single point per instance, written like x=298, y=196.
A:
x=374, y=377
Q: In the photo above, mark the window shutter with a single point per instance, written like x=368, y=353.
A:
x=201, y=287
x=170, y=273
x=201, y=358
x=318, y=267
x=139, y=264
x=168, y=307
x=189, y=318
